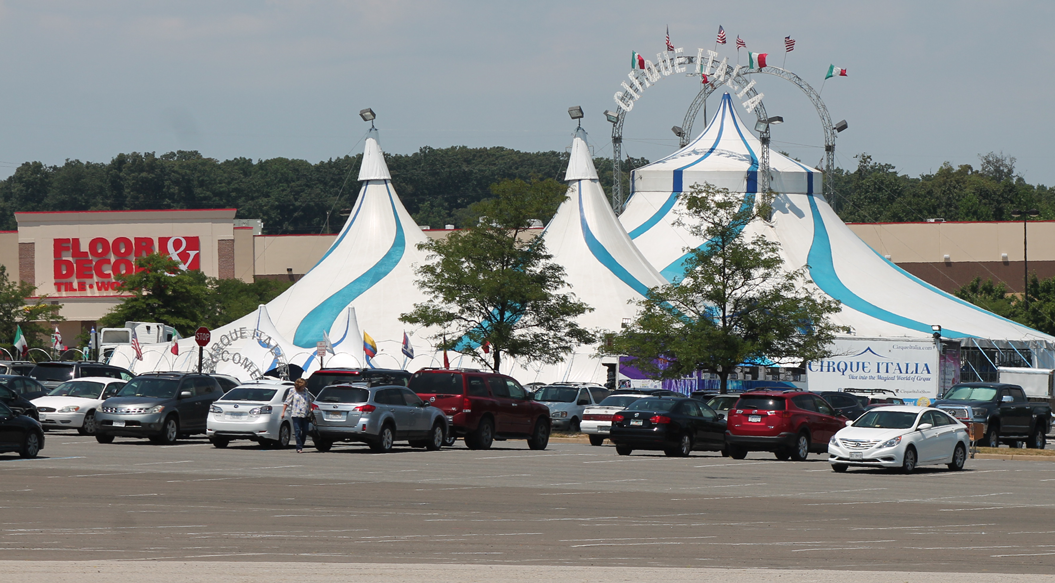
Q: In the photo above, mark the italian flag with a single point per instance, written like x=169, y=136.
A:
x=834, y=71
x=637, y=61
x=756, y=60
x=20, y=341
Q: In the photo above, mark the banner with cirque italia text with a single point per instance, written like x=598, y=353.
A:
x=908, y=367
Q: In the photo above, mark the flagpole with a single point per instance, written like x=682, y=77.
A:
x=785, y=61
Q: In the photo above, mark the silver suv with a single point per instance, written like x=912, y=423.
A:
x=160, y=406
x=377, y=416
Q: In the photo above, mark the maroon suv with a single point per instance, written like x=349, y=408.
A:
x=482, y=406
x=789, y=424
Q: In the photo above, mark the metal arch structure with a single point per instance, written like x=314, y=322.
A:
x=814, y=97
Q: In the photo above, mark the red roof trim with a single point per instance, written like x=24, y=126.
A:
x=126, y=211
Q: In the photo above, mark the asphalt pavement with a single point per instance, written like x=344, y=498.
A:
x=84, y=508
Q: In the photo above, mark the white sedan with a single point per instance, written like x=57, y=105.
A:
x=72, y=404
x=900, y=436
x=597, y=419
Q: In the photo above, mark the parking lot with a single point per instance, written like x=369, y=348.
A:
x=572, y=504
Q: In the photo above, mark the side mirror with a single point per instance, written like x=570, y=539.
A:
x=849, y=423
x=185, y=395
x=923, y=426
x=721, y=416
x=1007, y=399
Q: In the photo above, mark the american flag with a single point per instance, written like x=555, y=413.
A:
x=135, y=345
x=789, y=44
x=670, y=47
x=721, y=35
x=740, y=44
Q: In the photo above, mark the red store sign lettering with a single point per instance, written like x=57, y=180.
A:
x=102, y=258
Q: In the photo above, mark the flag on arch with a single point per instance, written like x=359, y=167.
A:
x=721, y=35
x=756, y=60
x=56, y=340
x=174, y=349
x=740, y=44
x=408, y=350
x=20, y=342
x=834, y=71
x=637, y=61
x=369, y=346
x=135, y=345
x=789, y=44
x=670, y=47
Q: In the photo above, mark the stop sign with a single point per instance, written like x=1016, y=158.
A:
x=202, y=336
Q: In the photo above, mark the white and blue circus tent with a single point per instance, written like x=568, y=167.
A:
x=360, y=286
x=604, y=268
x=879, y=300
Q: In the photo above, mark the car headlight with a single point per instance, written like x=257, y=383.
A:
x=157, y=409
x=980, y=412
x=833, y=441
x=891, y=442
x=70, y=409
x=215, y=409
x=265, y=410
x=559, y=414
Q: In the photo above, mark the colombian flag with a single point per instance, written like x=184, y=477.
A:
x=369, y=346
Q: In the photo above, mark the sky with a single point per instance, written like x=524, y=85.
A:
x=928, y=82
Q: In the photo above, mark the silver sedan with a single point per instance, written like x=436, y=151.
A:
x=377, y=416
x=252, y=411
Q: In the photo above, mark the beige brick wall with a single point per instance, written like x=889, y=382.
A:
x=225, y=258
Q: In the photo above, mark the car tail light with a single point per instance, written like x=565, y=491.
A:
x=365, y=408
x=467, y=405
x=659, y=419
x=596, y=417
x=617, y=418
x=314, y=407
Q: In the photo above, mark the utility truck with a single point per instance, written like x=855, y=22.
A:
x=146, y=333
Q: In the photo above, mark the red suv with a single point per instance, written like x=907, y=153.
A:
x=483, y=406
x=789, y=424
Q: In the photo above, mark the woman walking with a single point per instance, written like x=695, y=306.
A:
x=299, y=402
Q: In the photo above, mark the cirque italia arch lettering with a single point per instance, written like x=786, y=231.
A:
x=705, y=64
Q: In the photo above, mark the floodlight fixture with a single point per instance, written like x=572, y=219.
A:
x=775, y=120
x=761, y=126
x=841, y=126
x=678, y=131
x=612, y=116
x=1024, y=213
x=936, y=331
x=575, y=112
x=367, y=114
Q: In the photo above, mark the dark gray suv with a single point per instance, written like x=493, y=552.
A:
x=159, y=406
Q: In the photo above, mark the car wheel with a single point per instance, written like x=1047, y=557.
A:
x=89, y=426
x=683, y=449
x=908, y=462
x=1038, y=440
x=169, y=431
x=104, y=438
x=573, y=426
x=839, y=468
x=437, y=438
x=450, y=439
x=220, y=442
x=992, y=436
x=322, y=444
x=596, y=440
x=540, y=436
x=737, y=452
x=383, y=443
x=782, y=454
x=624, y=450
x=801, y=450
x=483, y=437
x=30, y=445
x=959, y=457
x=284, y=435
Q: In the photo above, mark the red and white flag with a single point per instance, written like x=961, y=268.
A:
x=740, y=44
x=135, y=345
x=789, y=44
x=670, y=47
x=175, y=347
x=721, y=35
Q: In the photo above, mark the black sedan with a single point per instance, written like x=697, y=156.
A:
x=17, y=403
x=20, y=433
x=676, y=426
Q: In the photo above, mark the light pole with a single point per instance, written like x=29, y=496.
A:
x=1025, y=214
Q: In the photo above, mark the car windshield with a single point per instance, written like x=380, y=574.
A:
x=652, y=405
x=249, y=394
x=558, y=394
x=618, y=401
x=887, y=419
x=153, y=388
x=721, y=403
x=761, y=403
x=344, y=395
x=60, y=372
x=83, y=389
x=971, y=394
x=442, y=383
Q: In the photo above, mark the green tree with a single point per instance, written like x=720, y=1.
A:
x=489, y=284
x=162, y=292
x=738, y=302
x=16, y=311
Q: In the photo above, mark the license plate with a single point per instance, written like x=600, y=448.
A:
x=235, y=416
x=604, y=428
x=43, y=416
x=754, y=418
x=637, y=421
x=856, y=455
x=334, y=416
x=119, y=423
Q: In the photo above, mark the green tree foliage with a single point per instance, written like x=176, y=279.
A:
x=736, y=304
x=994, y=297
x=291, y=196
x=185, y=299
x=488, y=284
x=18, y=308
